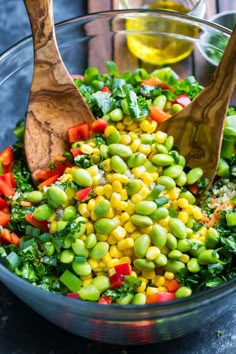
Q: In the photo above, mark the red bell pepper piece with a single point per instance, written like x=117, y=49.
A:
x=154, y=81
x=4, y=218
x=6, y=156
x=159, y=297
x=193, y=188
x=183, y=100
x=8, y=236
x=106, y=89
x=99, y=126
x=83, y=193
x=78, y=132
x=7, y=184
x=48, y=181
x=158, y=114
x=116, y=280
x=172, y=285
x=60, y=163
x=123, y=269
x=105, y=300
x=73, y=295
x=3, y=204
x=42, y=225
x=76, y=151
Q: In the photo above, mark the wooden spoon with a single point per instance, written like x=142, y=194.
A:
x=198, y=128
x=55, y=103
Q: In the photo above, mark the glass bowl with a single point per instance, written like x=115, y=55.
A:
x=90, y=41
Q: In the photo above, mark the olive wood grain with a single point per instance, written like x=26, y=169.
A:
x=55, y=103
x=198, y=128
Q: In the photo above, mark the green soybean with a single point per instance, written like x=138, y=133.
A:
x=173, y=171
x=48, y=248
x=166, y=181
x=175, y=254
x=43, y=212
x=113, y=137
x=101, y=282
x=161, y=149
x=67, y=242
x=161, y=260
x=171, y=241
x=139, y=299
x=159, y=236
x=136, y=159
x=169, y=142
x=141, y=220
x=120, y=150
x=208, y=257
x=150, y=167
x=79, y=248
x=193, y=265
x=104, y=225
x=89, y=293
x=184, y=245
x=194, y=175
x=102, y=208
x=82, y=177
x=212, y=238
x=160, y=101
x=175, y=108
x=82, y=227
x=162, y=160
x=57, y=195
x=61, y=224
x=144, y=264
x=189, y=196
x=197, y=247
x=177, y=228
x=181, y=179
x=67, y=256
x=141, y=245
x=69, y=212
x=116, y=115
x=159, y=213
x=125, y=300
x=183, y=291
x=118, y=164
x=174, y=266
x=145, y=207
x=90, y=241
x=99, y=250
x=81, y=268
x=35, y=196
x=133, y=186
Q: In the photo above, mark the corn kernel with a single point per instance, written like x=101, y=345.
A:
x=93, y=263
x=137, y=197
x=133, y=274
x=97, y=270
x=109, y=129
x=125, y=139
x=86, y=282
x=125, y=259
x=53, y=226
x=128, y=120
x=149, y=274
x=138, y=171
x=183, y=203
x=85, y=277
x=113, y=262
x=83, y=210
x=146, y=230
x=143, y=285
x=197, y=213
x=126, y=243
x=110, y=214
x=96, y=179
x=164, y=222
x=89, y=228
x=148, y=126
x=106, y=165
x=165, y=250
x=108, y=190
x=122, y=206
x=169, y=275
x=111, y=240
x=130, y=207
x=93, y=216
x=129, y=227
x=102, y=237
x=99, y=190
x=66, y=177
x=121, y=178
x=162, y=289
x=189, y=209
x=91, y=204
x=135, y=234
x=124, y=217
x=86, y=149
x=120, y=126
x=183, y=216
x=184, y=258
x=117, y=186
x=158, y=281
x=119, y=233
x=174, y=193
x=152, y=252
x=115, y=199
x=160, y=137
x=133, y=136
x=151, y=290
x=135, y=145
x=124, y=194
x=154, y=176
x=52, y=217
x=132, y=127
x=107, y=258
x=147, y=178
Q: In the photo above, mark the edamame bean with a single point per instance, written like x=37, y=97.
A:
x=183, y=291
x=67, y=242
x=89, y=292
x=166, y=181
x=159, y=213
x=144, y=264
x=212, y=238
x=35, y=196
x=177, y=228
x=208, y=257
x=194, y=175
x=125, y=300
x=81, y=268
x=48, y=248
x=197, y=247
x=150, y=167
x=160, y=101
x=43, y=212
x=175, y=108
x=118, y=164
x=79, y=248
x=162, y=160
x=181, y=179
x=99, y=250
x=181, y=160
x=139, y=299
x=169, y=142
x=116, y=115
x=101, y=282
x=141, y=245
x=120, y=150
x=159, y=236
x=173, y=171
x=189, y=196
x=104, y=151
x=82, y=177
x=113, y=137
x=104, y=225
x=102, y=208
x=161, y=260
x=145, y=207
x=136, y=159
x=171, y=241
x=141, y=220
x=174, y=266
x=69, y=212
x=61, y=224
x=184, y=245
x=161, y=149
x=82, y=227
x=67, y=256
x=90, y=241
x=193, y=265
x=147, y=139
x=57, y=195
x=133, y=186
x=175, y=254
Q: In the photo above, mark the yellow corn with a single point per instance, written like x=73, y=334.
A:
x=125, y=259
x=162, y=289
x=173, y=194
x=158, y=281
x=151, y=290
x=183, y=216
x=120, y=126
x=129, y=227
x=96, y=179
x=138, y=171
x=128, y=120
x=52, y=217
x=119, y=232
x=106, y=165
x=108, y=190
x=130, y=207
x=169, y=275
x=109, y=130
x=122, y=206
x=107, y=258
x=93, y=263
x=149, y=274
x=111, y=240
x=53, y=226
x=110, y=214
x=124, y=217
x=93, y=216
x=99, y=190
x=135, y=145
x=135, y=234
x=132, y=127
x=133, y=136
x=148, y=126
x=197, y=213
x=152, y=252
x=126, y=243
x=143, y=285
x=165, y=250
x=137, y=197
x=124, y=194
x=164, y=222
x=86, y=149
x=65, y=177
x=115, y=199
x=183, y=203
x=91, y=204
x=102, y=237
x=86, y=282
x=133, y=274
x=147, y=178
x=160, y=137
x=184, y=258
x=89, y=228
x=121, y=178
x=125, y=139
x=129, y=252
x=83, y=210
x=113, y=262
x=117, y=186
x=154, y=176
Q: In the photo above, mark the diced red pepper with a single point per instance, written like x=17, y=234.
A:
x=193, y=188
x=105, y=89
x=4, y=218
x=78, y=132
x=42, y=225
x=6, y=156
x=158, y=114
x=48, y=181
x=183, y=100
x=7, y=184
x=159, y=297
x=116, y=280
x=3, y=204
x=105, y=300
x=76, y=151
x=172, y=285
x=8, y=236
x=99, y=126
x=60, y=162
x=83, y=193
x=154, y=81
x=123, y=269
x=73, y=295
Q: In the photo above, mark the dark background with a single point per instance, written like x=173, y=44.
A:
x=24, y=332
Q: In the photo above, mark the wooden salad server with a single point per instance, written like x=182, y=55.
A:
x=198, y=128
x=55, y=104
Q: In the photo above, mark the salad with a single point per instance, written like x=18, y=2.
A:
x=120, y=218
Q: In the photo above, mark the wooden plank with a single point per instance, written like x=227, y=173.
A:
x=99, y=5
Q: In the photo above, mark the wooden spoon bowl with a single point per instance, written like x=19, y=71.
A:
x=55, y=103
